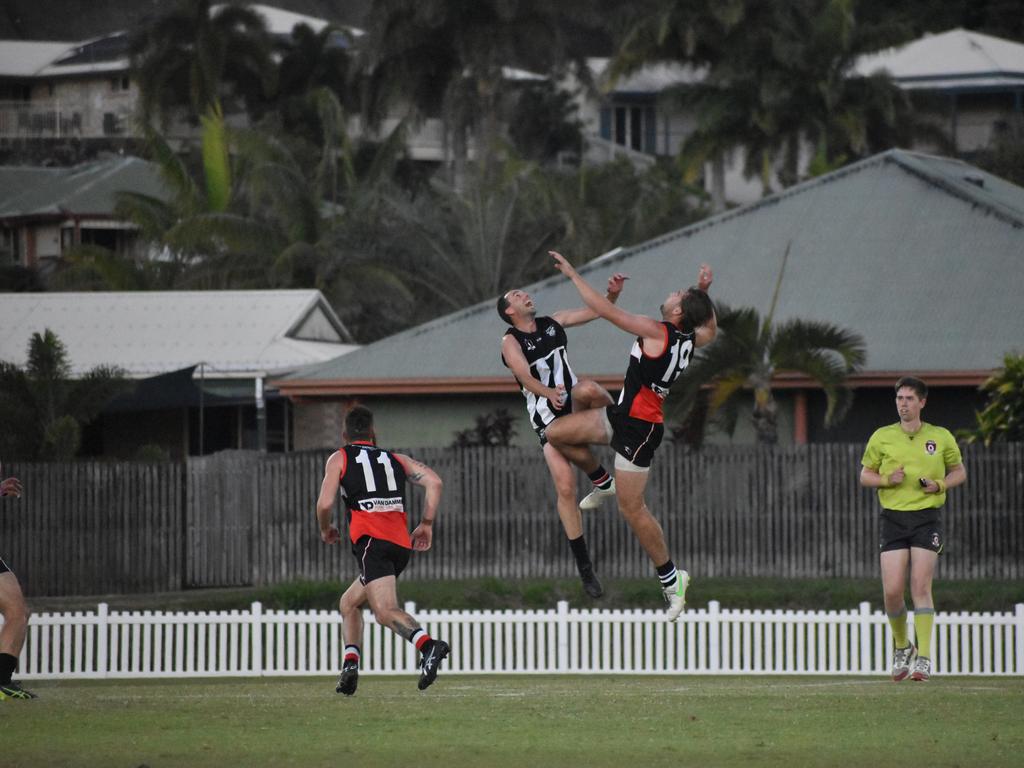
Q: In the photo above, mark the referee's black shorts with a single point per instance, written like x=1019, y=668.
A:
x=920, y=528
x=379, y=558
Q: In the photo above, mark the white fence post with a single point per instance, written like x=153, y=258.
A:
x=562, y=634
x=865, y=637
x=257, y=638
x=714, y=633
x=1018, y=616
x=102, y=624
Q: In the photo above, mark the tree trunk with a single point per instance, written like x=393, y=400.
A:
x=765, y=413
x=718, y=183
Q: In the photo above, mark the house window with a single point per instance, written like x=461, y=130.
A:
x=631, y=125
x=120, y=84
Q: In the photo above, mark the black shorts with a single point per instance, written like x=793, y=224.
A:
x=903, y=530
x=3, y=566
x=379, y=558
x=634, y=440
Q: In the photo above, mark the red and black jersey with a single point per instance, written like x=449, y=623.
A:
x=648, y=379
x=373, y=492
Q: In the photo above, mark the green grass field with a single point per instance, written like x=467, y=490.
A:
x=520, y=721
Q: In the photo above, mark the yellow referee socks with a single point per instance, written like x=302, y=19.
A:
x=898, y=622
x=924, y=619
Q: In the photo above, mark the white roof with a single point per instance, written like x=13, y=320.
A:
x=25, y=58
x=651, y=78
x=235, y=333
x=953, y=59
x=282, y=22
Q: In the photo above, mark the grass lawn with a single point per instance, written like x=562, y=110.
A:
x=486, y=721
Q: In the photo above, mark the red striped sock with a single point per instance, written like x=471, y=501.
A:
x=419, y=639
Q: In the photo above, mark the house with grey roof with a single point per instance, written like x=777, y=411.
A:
x=979, y=77
x=200, y=360
x=977, y=80
x=45, y=211
x=922, y=255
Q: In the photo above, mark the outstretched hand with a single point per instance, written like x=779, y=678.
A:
x=704, y=277
x=562, y=264
x=616, y=283
x=10, y=487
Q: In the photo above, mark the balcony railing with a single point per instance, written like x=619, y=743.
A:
x=56, y=120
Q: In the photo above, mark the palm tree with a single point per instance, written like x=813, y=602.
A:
x=471, y=244
x=778, y=75
x=191, y=58
x=43, y=408
x=446, y=58
x=308, y=62
x=749, y=352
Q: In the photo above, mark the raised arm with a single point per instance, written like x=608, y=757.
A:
x=516, y=361
x=333, y=471
x=568, y=318
x=706, y=333
x=639, y=325
x=420, y=474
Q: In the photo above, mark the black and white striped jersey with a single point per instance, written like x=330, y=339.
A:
x=545, y=351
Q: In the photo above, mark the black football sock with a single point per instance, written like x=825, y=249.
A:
x=600, y=478
x=579, y=551
x=8, y=664
x=667, y=574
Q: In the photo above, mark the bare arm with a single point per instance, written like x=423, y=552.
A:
x=568, y=318
x=516, y=361
x=329, y=532
x=706, y=333
x=871, y=478
x=420, y=474
x=638, y=325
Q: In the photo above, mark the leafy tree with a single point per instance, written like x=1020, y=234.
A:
x=311, y=61
x=1002, y=419
x=194, y=56
x=43, y=408
x=446, y=58
x=544, y=122
x=748, y=353
x=464, y=246
x=492, y=430
x=617, y=204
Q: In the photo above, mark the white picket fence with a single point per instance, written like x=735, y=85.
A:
x=111, y=644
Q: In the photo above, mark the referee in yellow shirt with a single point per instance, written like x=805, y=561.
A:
x=912, y=464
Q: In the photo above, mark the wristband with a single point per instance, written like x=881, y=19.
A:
x=424, y=521
x=885, y=481
x=942, y=485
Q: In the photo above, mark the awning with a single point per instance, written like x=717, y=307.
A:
x=167, y=391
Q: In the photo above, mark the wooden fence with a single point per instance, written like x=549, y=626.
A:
x=243, y=518
x=711, y=641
